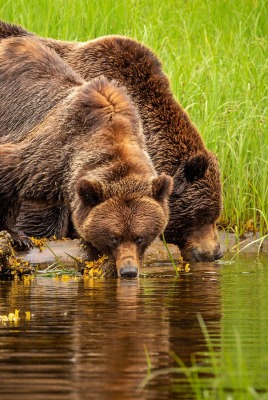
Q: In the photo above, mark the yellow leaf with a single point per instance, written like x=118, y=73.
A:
x=187, y=268
x=28, y=315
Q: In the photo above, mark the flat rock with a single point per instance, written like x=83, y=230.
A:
x=155, y=254
x=66, y=250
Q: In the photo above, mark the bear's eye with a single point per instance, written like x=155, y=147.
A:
x=139, y=240
x=115, y=240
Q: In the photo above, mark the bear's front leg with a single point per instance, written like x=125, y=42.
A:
x=20, y=240
x=9, y=210
x=43, y=220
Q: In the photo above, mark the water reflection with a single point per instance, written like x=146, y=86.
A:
x=244, y=337
x=87, y=339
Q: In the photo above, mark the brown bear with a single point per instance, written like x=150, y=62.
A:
x=173, y=142
x=67, y=142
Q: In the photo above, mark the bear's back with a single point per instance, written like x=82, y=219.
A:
x=33, y=80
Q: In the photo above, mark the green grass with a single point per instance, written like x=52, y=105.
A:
x=216, y=55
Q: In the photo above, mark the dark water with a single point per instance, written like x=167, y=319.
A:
x=88, y=339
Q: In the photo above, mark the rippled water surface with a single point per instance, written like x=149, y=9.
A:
x=95, y=339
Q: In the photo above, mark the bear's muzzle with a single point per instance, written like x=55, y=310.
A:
x=127, y=260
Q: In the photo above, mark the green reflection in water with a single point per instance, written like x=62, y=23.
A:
x=235, y=366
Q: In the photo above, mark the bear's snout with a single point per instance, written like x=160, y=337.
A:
x=127, y=260
x=196, y=255
x=203, y=246
x=129, y=270
x=218, y=254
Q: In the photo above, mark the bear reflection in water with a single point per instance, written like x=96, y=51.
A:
x=92, y=336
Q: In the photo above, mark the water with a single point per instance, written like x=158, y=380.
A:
x=91, y=339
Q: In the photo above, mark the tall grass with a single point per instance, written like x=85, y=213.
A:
x=216, y=55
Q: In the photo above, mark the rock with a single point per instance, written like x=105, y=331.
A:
x=10, y=264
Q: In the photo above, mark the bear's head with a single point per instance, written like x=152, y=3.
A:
x=123, y=218
x=195, y=205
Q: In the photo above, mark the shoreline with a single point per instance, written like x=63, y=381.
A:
x=67, y=255
x=155, y=254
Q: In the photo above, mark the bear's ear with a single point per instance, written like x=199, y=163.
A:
x=90, y=192
x=162, y=187
x=196, y=166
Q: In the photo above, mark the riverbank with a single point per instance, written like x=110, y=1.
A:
x=66, y=250
x=65, y=255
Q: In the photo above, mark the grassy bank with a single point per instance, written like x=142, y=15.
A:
x=216, y=55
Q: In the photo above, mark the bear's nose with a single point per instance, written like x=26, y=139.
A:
x=218, y=254
x=129, y=271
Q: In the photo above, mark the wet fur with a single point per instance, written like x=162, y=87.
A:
x=174, y=143
x=76, y=148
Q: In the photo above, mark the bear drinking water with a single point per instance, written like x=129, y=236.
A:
x=173, y=142
x=68, y=143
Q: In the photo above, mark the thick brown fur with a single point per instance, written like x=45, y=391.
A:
x=173, y=142
x=77, y=146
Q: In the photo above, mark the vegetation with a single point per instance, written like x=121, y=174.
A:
x=223, y=376
x=216, y=55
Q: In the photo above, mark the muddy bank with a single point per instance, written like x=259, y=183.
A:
x=65, y=251
x=249, y=244
x=155, y=254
